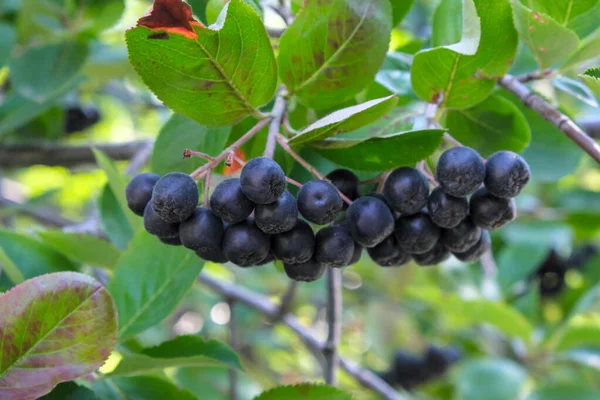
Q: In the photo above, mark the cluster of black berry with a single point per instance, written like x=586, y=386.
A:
x=253, y=220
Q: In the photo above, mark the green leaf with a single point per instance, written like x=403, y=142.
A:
x=494, y=124
x=71, y=391
x=581, y=331
x=588, y=50
x=575, y=89
x=464, y=73
x=212, y=78
x=139, y=388
x=564, y=11
x=304, y=391
x=386, y=152
x=548, y=41
x=31, y=257
x=85, y=249
x=149, y=280
x=9, y=38
x=591, y=77
x=54, y=328
x=117, y=185
x=518, y=262
x=40, y=72
x=447, y=23
x=183, y=351
x=180, y=133
x=345, y=120
x=333, y=49
x=490, y=379
x=565, y=391
x=586, y=23
x=399, y=10
x=113, y=219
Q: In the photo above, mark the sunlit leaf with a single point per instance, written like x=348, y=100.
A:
x=82, y=248
x=304, y=391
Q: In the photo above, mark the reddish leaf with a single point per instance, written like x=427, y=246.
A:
x=53, y=328
x=172, y=16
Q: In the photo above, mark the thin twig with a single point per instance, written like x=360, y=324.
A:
x=286, y=301
x=265, y=306
x=233, y=342
x=334, y=322
x=424, y=168
x=534, y=76
x=191, y=153
x=278, y=112
x=231, y=149
x=293, y=182
x=45, y=216
x=449, y=138
x=490, y=288
x=140, y=159
x=283, y=143
x=552, y=115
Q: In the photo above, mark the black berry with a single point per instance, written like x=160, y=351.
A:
x=295, y=246
x=356, y=254
x=460, y=171
x=229, y=203
x=309, y=271
x=174, y=241
x=268, y=259
x=262, y=180
x=474, y=253
x=319, y=202
x=175, y=197
x=381, y=197
x=139, y=192
x=212, y=254
x=506, y=174
x=439, y=359
x=203, y=230
x=370, y=221
x=388, y=253
x=408, y=371
x=157, y=226
x=462, y=237
x=491, y=212
x=277, y=217
x=416, y=234
x=406, y=190
x=446, y=211
x=245, y=245
x=435, y=256
x=334, y=246
x=346, y=182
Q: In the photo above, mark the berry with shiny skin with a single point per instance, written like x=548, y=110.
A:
x=277, y=217
x=245, y=245
x=175, y=197
x=474, y=253
x=319, y=202
x=295, y=246
x=203, y=230
x=506, y=174
x=381, y=197
x=460, y=171
x=435, y=256
x=309, y=271
x=262, y=180
x=157, y=226
x=491, y=212
x=334, y=246
x=462, y=237
x=229, y=203
x=212, y=254
x=139, y=192
x=416, y=234
x=346, y=182
x=388, y=253
x=370, y=221
x=446, y=211
x=406, y=190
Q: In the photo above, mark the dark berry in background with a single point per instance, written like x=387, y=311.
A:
x=506, y=174
x=439, y=359
x=175, y=197
x=244, y=244
x=229, y=203
x=157, y=226
x=319, y=202
x=474, y=253
x=79, y=118
x=370, y=221
x=295, y=246
x=490, y=212
x=460, y=171
x=388, y=253
x=309, y=271
x=202, y=230
x=462, y=237
x=346, y=182
x=139, y=192
x=416, y=234
x=406, y=190
x=435, y=256
x=334, y=246
x=262, y=180
x=446, y=211
x=279, y=216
